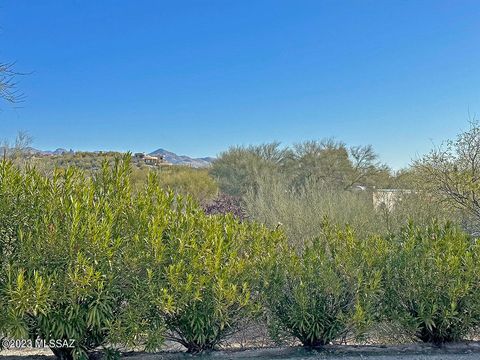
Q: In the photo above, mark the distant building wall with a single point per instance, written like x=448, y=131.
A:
x=388, y=198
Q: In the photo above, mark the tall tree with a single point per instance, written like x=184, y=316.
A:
x=238, y=169
x=324, y=161
x=452, y=172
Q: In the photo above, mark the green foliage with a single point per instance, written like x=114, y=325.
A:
x=333, y=165
x=325, y=162
x=185, y=180
x=66, y=275
x=13, y=213
x=86, y=255
x=83, y=258
x=328, y=291
x=301, y=210
x=202, y=272
x=432, y=286
x=237, y=169
x=181, y=179
x=88, y=161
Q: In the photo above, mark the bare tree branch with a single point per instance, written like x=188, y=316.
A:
x=8, y=84
x=452, y=172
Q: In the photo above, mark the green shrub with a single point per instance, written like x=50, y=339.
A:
x=204, y=271
x=89, y=261
x=432, y=282
x=185, y=180
x=329, y=291
x=67, y=278
x=20, y=207
x=301, y=210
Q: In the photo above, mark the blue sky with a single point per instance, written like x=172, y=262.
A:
x=194, y=76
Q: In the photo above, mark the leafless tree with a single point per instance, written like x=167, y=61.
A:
x=19, y=147
x=365, y=164
x=8, y=84
x=452, y=172
x=10, y=94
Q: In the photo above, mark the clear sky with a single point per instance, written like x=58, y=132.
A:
x=194, y=76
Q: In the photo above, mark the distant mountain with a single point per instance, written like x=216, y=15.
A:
x=183, y=159
x=59, y=151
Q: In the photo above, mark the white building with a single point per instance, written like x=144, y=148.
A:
x=387, y=198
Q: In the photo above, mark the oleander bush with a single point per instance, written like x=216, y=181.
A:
x=20, y=204
x=66, y=276
x=432, y=282
x=205, y=271
x=83, y=258
x=328, y=291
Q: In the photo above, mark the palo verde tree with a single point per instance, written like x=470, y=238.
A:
x=334, y=165
x=237, y=169
x=327, y=162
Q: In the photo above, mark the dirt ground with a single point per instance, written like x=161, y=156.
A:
x=461, y=351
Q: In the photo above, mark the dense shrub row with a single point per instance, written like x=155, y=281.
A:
x=84, y=258
x=423, y=279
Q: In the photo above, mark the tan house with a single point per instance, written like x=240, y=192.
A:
x=156, y=160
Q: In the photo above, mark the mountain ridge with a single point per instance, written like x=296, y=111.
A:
x=175, y=159
x=169, y=156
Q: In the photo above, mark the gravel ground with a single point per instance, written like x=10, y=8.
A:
x=461, y=351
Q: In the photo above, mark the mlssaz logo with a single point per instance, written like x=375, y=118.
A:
x=59, y=343
x=39, y=343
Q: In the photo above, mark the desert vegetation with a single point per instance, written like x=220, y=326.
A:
x=431, y=282
x=85, y=258
x=115, y=255
x=330, y=290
